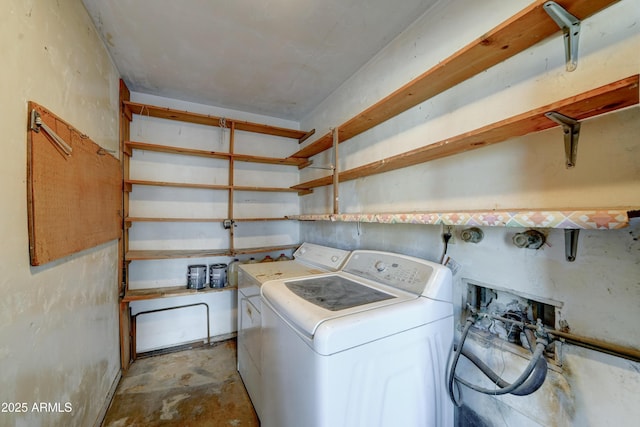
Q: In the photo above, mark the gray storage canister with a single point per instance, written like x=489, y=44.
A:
x=217, y=275
x=197, y=276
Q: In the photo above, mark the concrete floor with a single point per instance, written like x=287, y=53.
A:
x=198, y=387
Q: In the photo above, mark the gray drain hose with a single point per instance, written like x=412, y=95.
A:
x=528, y=382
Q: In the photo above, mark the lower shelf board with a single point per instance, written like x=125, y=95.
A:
x=166, y=292
x=246, y=251
x=135, y=255
x=138, y=255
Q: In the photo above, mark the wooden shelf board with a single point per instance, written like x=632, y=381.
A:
x=289, y=161
x=209, y=120
x=150, y=219
x=139, y=255
x=608, y=98
x=130, y=182
x=267, y=189
x=284, y=218
x=173, y=150
x=268, y=160
x=246, y=251
x=130, y=145
x=569, y=218
x=167, y=292
x=134, y=255
x=520, y=32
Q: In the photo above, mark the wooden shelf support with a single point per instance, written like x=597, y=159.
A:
x=336, y=178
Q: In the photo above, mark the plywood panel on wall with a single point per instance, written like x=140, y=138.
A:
x=74, y=201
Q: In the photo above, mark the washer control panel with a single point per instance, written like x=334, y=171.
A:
x=400, y=271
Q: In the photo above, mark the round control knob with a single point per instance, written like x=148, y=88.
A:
x=380, y=266
x=334, y=258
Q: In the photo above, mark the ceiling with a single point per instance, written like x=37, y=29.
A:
x=279, y=58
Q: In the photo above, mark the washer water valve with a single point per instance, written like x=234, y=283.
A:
x=530, y=239
x=472, y=235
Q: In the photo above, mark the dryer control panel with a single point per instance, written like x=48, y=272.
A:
x=321, y=256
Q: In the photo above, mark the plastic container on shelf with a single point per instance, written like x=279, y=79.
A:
x=267, y=259
x=232, y=272
x=283, y=257
x=252, y=260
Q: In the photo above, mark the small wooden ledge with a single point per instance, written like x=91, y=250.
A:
x=138, y=255
x=168, y=292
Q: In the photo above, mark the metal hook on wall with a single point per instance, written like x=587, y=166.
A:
x=37, y=124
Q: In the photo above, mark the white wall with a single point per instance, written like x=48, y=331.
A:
x=175, y=327
x=600, y=290
x=59, y=335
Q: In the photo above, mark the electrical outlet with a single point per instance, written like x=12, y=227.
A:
x=451, y=230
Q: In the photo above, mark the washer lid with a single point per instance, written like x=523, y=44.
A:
x=335, y=292
x=307, y=302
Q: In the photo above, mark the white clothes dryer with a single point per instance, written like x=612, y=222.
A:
x=309, y=259
x=364, y=346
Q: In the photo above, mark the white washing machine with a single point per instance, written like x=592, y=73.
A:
x=364, y=346
x=309, y=259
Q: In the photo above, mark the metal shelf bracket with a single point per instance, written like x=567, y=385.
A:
x=571, y=243
x=570, y=26
x=571, y=130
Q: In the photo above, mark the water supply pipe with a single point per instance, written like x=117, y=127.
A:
x=586, y=342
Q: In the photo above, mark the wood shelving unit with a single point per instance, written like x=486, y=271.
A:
x=130, y=149
x=131, y=108
x=522, y=31
x=513, y=36
x=605, y=99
